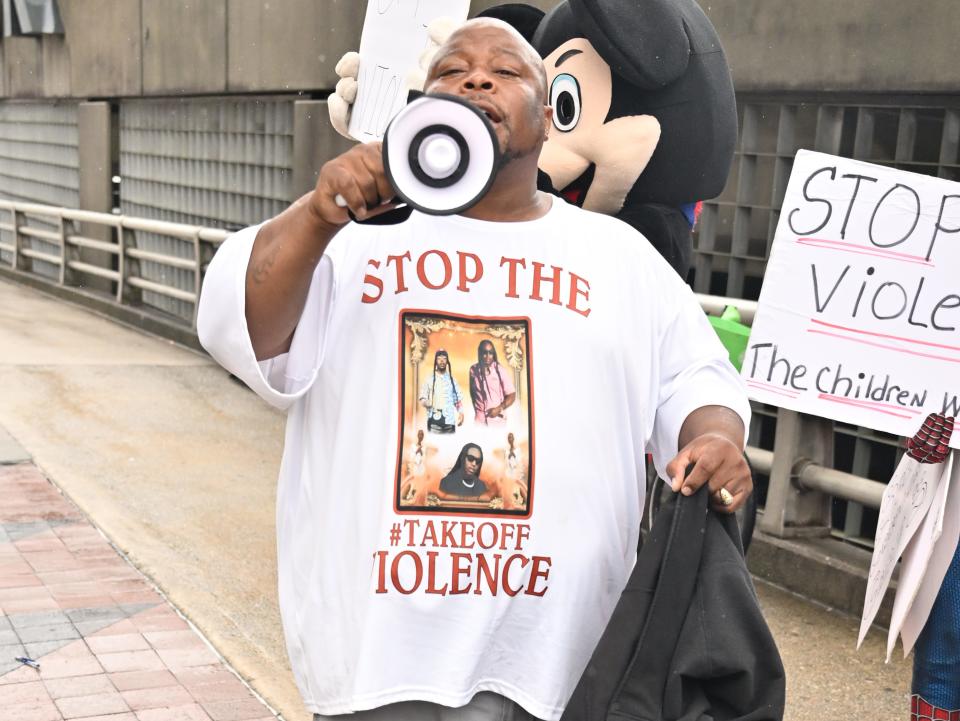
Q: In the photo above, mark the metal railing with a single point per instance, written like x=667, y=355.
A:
x=112, y=240
x=799, y=466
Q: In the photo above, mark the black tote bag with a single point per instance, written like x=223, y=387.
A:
x=687, y=640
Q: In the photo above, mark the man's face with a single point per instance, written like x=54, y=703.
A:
x=442, y=363
x=471, y=462
x=502, y=76
x=486, y=353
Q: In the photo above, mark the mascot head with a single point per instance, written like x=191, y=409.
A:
x=644, y=110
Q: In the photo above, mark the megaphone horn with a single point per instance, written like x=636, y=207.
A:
x=440, y=154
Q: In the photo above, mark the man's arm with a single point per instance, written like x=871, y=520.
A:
x=712, y=438
x=424, y=396
x=497, y=411
x=288, y=248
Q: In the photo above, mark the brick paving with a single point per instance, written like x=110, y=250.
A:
x=110, y=648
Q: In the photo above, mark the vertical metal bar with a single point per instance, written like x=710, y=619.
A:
x=63, y=248
x=197, y=276
x=791, y=511
x=739, y=242
x=829, y=129
x=863, y=136
x=782, y=165
x=853, y=522
x=706, y=244
x=13, y=257
x=786, y=149
x=950, y=145
x=787, y=131
x=121, y=263
x=17, y=240
x=906, y=135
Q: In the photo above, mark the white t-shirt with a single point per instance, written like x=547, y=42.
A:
x=393, y=589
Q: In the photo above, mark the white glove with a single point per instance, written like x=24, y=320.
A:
x=340, y=101
x=438, y=31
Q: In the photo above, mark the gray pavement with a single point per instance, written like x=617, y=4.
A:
x=177, y=464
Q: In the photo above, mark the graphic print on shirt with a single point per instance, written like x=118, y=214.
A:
x=466, y=415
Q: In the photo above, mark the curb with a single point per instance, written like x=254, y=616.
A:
x=824, y=570
x=11, y=452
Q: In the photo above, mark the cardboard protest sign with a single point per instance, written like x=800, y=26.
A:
x=859, y=315
x=394, y=36
x=914, y=498
x=926, y=560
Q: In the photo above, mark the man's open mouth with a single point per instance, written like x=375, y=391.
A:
x=493, y=115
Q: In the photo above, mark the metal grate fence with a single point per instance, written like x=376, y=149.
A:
x=39, y=163
x=216, y=162
x=736, y=229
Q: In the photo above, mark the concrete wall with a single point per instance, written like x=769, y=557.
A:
x=184, y=47
x=123, y=48
x=289, y=45
x=102, y=43
x=840, y=45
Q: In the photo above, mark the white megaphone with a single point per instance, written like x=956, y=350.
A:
x=440, y=154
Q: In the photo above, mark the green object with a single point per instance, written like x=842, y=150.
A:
x=733, y=334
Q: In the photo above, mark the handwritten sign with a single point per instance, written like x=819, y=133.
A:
x=394, y=36
x=859, y=315
x=906, y=501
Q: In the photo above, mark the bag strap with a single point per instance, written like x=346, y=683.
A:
x=679, y=569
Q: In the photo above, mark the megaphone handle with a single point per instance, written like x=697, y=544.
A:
x=401, y=213
x=342, y=203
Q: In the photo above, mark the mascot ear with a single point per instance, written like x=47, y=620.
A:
x=523, y=18
x=644, y=41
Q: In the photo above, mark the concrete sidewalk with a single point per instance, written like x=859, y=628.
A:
x=177, y=465
x=82, y=633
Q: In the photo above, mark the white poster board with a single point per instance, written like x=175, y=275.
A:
x=859, y=315
x=914, y=500
x=925, y=563
x=394, y=36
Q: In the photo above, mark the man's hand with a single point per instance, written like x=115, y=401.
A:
x=495, y=412
x=356, y=178
x=712, y=440
x=459, y=419
x=720, y=464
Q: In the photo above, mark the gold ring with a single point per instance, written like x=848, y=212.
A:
x=726, y=498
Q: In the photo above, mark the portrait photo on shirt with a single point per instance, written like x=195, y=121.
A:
x=466, y=415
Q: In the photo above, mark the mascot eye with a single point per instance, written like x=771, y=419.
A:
x=565, y=99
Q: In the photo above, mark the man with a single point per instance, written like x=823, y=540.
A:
x=464, y=478
x=491, y=388
x=400, y=615
x=440, y=395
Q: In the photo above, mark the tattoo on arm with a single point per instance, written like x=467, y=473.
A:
x=261, y=270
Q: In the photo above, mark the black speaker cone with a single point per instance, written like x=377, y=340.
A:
x=439, y=156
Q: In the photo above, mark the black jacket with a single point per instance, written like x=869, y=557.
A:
x=687, y=640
